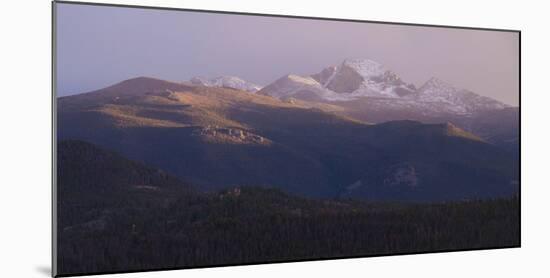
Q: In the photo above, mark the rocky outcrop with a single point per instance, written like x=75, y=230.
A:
x=229, y=135
x=346, y=80
x=403, y=174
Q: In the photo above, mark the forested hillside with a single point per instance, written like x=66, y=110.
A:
x=149, y=220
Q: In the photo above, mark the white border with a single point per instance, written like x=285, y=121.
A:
x=26, y=143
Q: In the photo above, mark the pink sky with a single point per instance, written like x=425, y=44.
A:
x=99, y=46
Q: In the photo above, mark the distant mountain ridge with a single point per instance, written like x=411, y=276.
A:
x=226, y=82
x=367, y=91
x=362, y=78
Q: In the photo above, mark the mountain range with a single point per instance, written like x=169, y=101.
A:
x=365, y=90
x=217, y=136
x=355, y=78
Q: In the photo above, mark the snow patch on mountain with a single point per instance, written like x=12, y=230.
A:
x=459, y=101
x=226, y=82
x=304, y=86
x=363, y=78
x=365, y=67
x=307, y=81
x=437, y=90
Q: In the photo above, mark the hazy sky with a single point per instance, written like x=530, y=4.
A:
x=99, y=46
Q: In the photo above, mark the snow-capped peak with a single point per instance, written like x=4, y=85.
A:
x=226, y=82
x=437, y=90
x=455, y=99
x=365, y=67
x=362, y=78
x=291, y=84
x=436, y=83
